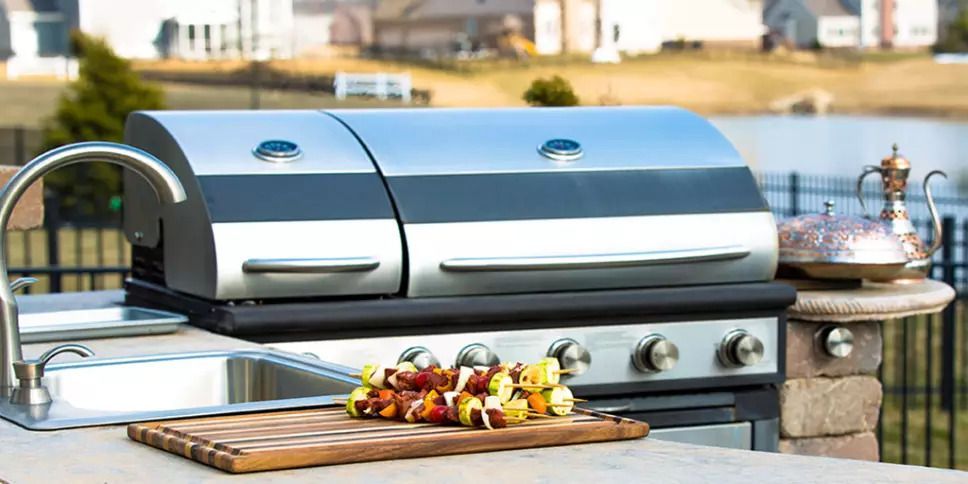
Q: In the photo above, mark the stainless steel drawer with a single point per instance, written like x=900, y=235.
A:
x=732, y=435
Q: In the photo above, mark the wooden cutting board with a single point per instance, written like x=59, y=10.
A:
x=325, y=436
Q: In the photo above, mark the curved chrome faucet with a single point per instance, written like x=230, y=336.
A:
x=159, y=176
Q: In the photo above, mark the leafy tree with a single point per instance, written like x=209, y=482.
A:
x=956, y=37
x=94, y=108
x=555, y=91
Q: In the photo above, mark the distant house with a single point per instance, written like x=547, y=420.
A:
x=187, y=29
x=571, y=26
x=809, y=23
x=448, y=25
x=897, y=24
x=319, y=24
x=645, y=26
x=352, y=23
x=311, y=23
x=34, y=40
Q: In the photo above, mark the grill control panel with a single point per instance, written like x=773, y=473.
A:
x=602, y=354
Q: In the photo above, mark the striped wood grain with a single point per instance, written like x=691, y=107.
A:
x=326, y=436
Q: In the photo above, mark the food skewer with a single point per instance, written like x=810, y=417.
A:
x=532, y=385
x=565, y=371
x=539, y=415
x=469, y=396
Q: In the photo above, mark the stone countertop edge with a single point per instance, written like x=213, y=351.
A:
x=105, y=454
x=872, y=302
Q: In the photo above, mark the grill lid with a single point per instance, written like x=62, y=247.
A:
x=280, y=204
x=530, y=200
x=285, y=204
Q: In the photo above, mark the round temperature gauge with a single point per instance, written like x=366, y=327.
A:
x=277, y=151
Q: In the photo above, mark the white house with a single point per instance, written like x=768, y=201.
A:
x=33, y=40
x=899, y=24
x=312, y=22
x=806, y=23
x=187, y=29
x=319, y=24
x=902, y=24
x=645, y=26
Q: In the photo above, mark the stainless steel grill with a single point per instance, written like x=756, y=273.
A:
x=632, y=243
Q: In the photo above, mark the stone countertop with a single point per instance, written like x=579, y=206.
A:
x=105, y=454
x=872, y=302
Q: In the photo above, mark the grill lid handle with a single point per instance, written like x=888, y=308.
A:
x=594, y=261
x=310, y=266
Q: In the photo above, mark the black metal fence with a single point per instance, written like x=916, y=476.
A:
x=924, y=416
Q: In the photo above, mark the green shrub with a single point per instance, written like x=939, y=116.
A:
x=555, y=91
x=956, y=37
x=94, y=108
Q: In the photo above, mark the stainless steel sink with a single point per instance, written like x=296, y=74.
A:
x=121, y=390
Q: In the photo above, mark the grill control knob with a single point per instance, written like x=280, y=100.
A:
x=420, y=357
x=836, y=341
x=740, y=348
x=571, y=355
x=477, y=355
x=655, y=353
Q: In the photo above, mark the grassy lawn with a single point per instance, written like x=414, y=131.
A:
x=917, y=435
x=707, y=82
x=28, y=103
x=917, y=376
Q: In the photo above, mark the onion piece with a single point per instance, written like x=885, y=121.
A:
x=486, y=419
x=465, y=374
x=392, y=381
x=377, y=380
x=413, y=407
x=450, y=398
x=492, y=401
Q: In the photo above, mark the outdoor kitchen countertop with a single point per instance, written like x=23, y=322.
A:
x=105, y=454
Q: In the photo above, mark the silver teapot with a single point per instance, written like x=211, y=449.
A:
x=894, y=171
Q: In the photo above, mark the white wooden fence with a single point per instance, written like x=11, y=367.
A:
x=380, y=85
x=57, y=67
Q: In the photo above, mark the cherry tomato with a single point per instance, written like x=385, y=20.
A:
x=421, y=379
x=438, y=414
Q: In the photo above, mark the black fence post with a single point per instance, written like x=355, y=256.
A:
x=19, y=146
x=52, y=224
x=794, y=194
x=948, y=316
x=255, y=85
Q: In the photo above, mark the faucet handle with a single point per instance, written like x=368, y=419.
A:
x=21, y=282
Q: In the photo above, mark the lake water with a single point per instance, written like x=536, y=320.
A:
x=842, y=145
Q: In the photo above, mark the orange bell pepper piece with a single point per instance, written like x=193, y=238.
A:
x=538, y=403
x=390, y=411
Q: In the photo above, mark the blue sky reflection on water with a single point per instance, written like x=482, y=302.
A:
x=842, y=145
